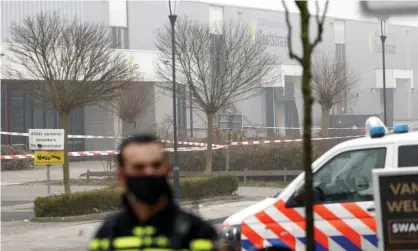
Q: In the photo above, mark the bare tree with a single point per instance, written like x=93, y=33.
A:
x=71, y=64
x=306, y=63
x=130, y=102
x=332, y=83
x=220, y=64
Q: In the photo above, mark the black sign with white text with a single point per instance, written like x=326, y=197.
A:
x=399, y=209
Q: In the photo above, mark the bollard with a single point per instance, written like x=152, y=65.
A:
x=48, y=179
x=227, y=159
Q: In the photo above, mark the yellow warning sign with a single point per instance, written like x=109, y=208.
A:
x=49, y=158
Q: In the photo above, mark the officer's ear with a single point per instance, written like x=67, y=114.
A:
x=169, y=170
x=166, y=164
x=120, y=177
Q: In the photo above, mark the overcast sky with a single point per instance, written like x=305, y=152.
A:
x=347, y=9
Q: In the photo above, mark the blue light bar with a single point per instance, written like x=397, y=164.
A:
x=401, y=128
x=377, y=131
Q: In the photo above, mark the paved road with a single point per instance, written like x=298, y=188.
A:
x=22, y=236
x=49, y=237
x=17, y=200
x=39, y=174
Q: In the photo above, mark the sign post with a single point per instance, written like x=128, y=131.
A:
x=229, y=121
x=48, y=145
x=396, y=197
x=48, y=179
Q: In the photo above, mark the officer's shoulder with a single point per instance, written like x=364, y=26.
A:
x=108, y=223
x=203, y=228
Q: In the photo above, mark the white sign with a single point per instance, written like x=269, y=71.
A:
x=46, y=139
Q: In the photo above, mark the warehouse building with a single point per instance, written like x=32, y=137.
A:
x=134, y=24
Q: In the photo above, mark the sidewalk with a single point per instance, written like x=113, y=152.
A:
x=23, y=236
x=17, y=201
x=39, y=173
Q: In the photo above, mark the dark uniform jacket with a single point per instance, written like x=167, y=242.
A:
x=170, y=229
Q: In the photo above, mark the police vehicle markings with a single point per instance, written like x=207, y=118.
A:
x=340, y=225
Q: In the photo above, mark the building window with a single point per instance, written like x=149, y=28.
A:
x=339, y=32
x=38, y=115
x=120, y=37
x=76, y=127
x=51, y=118
x=3, y=110
x=339, y=41
x=407, y=156
x=216, y=18
x=118, y=14
x=17, y=113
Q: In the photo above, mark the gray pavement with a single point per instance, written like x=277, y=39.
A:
x=258, y=192
x=17, y=200
x=39, y=173
x=27, y=236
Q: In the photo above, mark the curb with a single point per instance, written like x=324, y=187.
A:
x=216, y=221
x=187, y=205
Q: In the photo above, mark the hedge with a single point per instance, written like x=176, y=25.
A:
x=108, y=199
x=255, y=157
x=14, y=165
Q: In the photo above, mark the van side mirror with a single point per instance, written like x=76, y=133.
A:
x=298, y=198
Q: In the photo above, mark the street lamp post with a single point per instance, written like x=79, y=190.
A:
x=173, y=7
x=383, y=28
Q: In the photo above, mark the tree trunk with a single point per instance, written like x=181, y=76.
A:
x=64, y=117
x=307, y=150
x=307, y=125
x=324, y=121
x=208, y=167
x=127, y=128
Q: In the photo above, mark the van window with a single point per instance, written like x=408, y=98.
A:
x=408, y=156
x=348, y=176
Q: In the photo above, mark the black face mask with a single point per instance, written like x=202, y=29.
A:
x=149, y=188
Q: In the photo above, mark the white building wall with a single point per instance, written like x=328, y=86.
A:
x=15, y=11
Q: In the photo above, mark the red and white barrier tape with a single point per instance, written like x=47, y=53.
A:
x=301, y=128
x=215, y=147
x=107, y=137
x=273, y=141
x=412, y=125
x=190, y=143
x=101, y=153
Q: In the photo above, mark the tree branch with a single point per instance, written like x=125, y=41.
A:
x=75, y=61
x=332, y=82
x=218, y=68
x=320, y=19
x=292, y=54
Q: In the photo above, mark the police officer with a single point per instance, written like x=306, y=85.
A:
x=149, y=219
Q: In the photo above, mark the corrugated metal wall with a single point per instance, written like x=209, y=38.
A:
x=85, y=11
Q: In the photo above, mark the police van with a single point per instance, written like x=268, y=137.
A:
x=344, y=209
